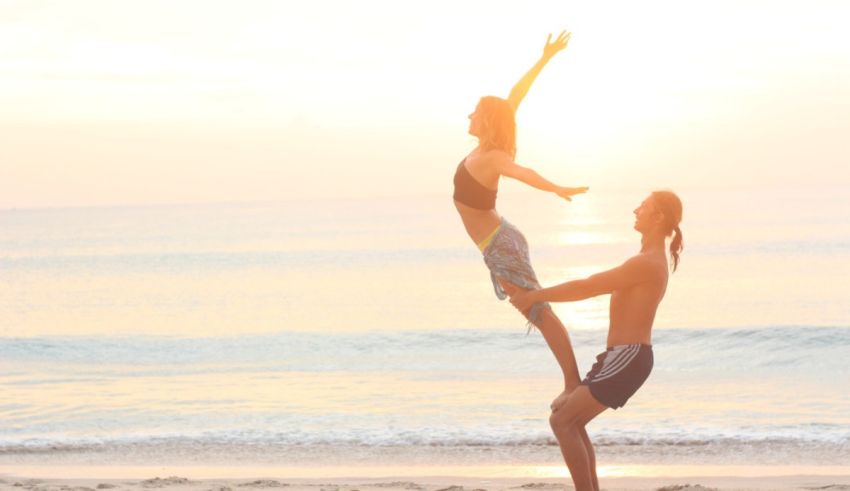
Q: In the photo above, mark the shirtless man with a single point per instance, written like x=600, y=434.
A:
x=636, y=288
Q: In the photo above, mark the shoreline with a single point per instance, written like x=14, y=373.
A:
x=409, y=482
x=397, y=471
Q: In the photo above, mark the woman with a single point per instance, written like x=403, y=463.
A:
x=476, y=183
x=636, y=288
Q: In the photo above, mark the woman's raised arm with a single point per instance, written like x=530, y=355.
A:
x=550, y=50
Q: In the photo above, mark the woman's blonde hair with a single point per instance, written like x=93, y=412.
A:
x=498, y=125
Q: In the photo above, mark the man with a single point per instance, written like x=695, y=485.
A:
x=636, y=288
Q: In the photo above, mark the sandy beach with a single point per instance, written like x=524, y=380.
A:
x=424, y=483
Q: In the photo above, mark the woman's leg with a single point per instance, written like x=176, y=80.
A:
x=568, y=423
x=558, y=340
x=556, y=337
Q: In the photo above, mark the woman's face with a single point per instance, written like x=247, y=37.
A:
x=475, y=122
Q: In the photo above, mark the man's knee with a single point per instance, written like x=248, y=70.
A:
x=564, y=424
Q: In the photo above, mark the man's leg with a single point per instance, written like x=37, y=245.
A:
x=568, y=425
x=591, y=457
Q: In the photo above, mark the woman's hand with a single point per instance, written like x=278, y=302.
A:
x=568, y=193
x=561, y=399
x=521, y=88
x=552, y=48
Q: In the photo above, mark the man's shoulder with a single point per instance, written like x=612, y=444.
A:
x=648, y=264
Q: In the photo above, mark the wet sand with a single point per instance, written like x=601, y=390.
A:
x=438, y=483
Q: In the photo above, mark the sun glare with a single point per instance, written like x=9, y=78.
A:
x=629, y=89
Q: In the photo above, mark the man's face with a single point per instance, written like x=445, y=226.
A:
x=647, y=216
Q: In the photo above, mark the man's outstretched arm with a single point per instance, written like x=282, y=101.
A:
x=635, y=270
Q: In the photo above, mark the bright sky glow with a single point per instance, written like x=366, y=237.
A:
x=113, y=102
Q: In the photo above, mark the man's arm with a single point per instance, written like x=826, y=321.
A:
x=632, y=272
x=521, y=88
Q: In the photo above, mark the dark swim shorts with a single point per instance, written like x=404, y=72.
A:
x=618, y=373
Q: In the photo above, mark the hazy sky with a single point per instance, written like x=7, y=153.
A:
x=127, y=102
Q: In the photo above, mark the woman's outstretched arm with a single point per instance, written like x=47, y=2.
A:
x=506, y=166
x=550, y=50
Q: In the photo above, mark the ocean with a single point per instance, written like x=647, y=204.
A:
x=362, y=332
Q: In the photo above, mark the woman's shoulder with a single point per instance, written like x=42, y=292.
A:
x=494, y=155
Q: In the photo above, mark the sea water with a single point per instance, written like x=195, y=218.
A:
x=367, y=331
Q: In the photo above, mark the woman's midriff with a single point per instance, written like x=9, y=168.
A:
x=479, y=224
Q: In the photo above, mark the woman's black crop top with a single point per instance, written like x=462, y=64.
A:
x=471, y=192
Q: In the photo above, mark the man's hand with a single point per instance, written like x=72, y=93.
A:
x=523, y=300
x=568, y=193
x=552, y=48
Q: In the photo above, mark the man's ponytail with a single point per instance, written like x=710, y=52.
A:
x=671, y=206
x=676, y=246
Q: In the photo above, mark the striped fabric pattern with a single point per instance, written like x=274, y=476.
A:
x=616, y=360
